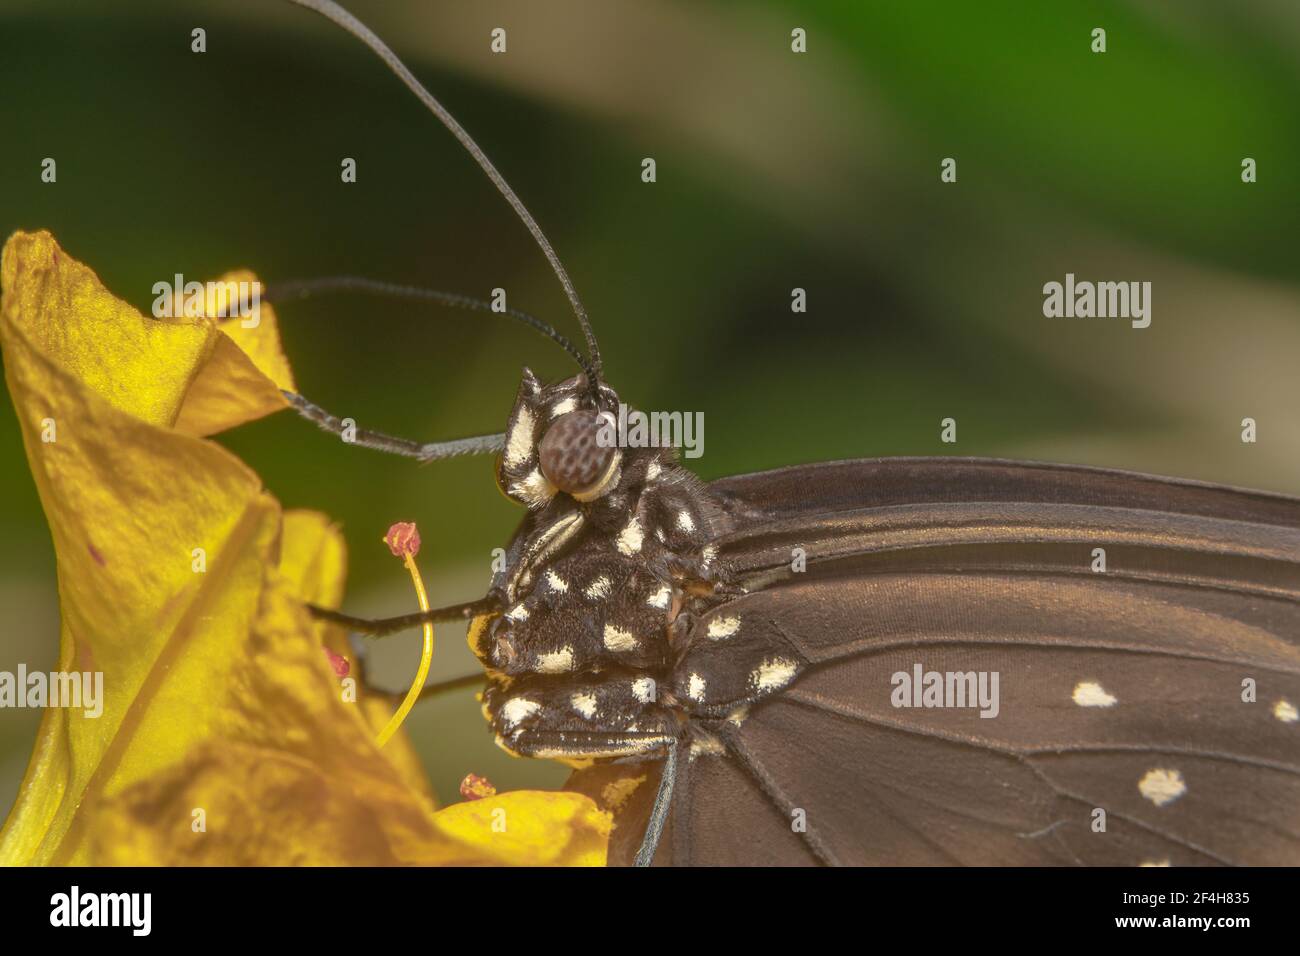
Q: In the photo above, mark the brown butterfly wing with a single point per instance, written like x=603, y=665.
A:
x=1120, y=691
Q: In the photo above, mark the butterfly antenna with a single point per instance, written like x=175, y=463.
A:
x=340, y=16
x=277, y=292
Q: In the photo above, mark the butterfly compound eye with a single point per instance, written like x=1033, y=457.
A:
x=573, y=460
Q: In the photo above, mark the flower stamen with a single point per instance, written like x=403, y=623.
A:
x=474, y=787
x=404, y=541
x=342, y=666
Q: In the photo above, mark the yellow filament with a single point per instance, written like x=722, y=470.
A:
x=426, y=658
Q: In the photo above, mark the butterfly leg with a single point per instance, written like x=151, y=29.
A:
x=681, y=814
x=378, y=441
x=429, y=691
x=659, y=812
x=383, y=626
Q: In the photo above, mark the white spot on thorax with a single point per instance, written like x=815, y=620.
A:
x=652, y=470
x=660, y=598
x=725, y=626
x=564, y=407
x=598, y=589
x=535, y=489
x=555, y=662
x=519, y=446
x=517, y=613
x=685, y=521
x=695, y=689
x=612, y=747
x=1285, y=711
x=517, y=709
x=584, y=703
x=773, y=673
x=1161, y=786
x=548, y=541
x=617, y=639
x=706, y=745
x=1092, y=694
x=630, y=538
x=643, y=689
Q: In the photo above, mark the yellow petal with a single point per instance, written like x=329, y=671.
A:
x=128, y=501
x=528, y=828
x=181, y=583
x=243, y=375
x=240, y=805
x=141, y=368
x=314, y=560
x=248, y=806
x=627, y=793
x=314, y=557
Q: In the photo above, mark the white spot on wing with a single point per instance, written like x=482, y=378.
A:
x=1092, y=694
x=1162, y=786
x=556, y=582
x=643, y=689
x=1285, y=711
x=630, y=538
x=695, y=690
x=598, y=589
x=685, y=521
x=519, y=446
x=773, y=673
x=1154, y=863
x=725, y=626
x=517, y=709
x=617, y=639
x=661, y=598
x=555, y=662
x=517, y=613
x=584, y=703
x=652, y=471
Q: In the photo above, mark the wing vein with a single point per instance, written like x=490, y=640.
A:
x=818, y=702
x=774, y=793
x=1025, y=758
x=874, y=648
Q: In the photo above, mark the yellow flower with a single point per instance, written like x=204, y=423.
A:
x=225, y=737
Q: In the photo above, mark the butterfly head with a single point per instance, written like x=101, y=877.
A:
x=556, y=444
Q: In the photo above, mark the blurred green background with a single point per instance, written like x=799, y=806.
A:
x=775, y=170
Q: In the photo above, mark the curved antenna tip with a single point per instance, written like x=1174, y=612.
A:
x=338, y=15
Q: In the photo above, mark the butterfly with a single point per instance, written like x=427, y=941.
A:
x=887, y=661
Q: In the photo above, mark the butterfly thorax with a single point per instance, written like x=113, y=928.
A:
x=604, y=593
